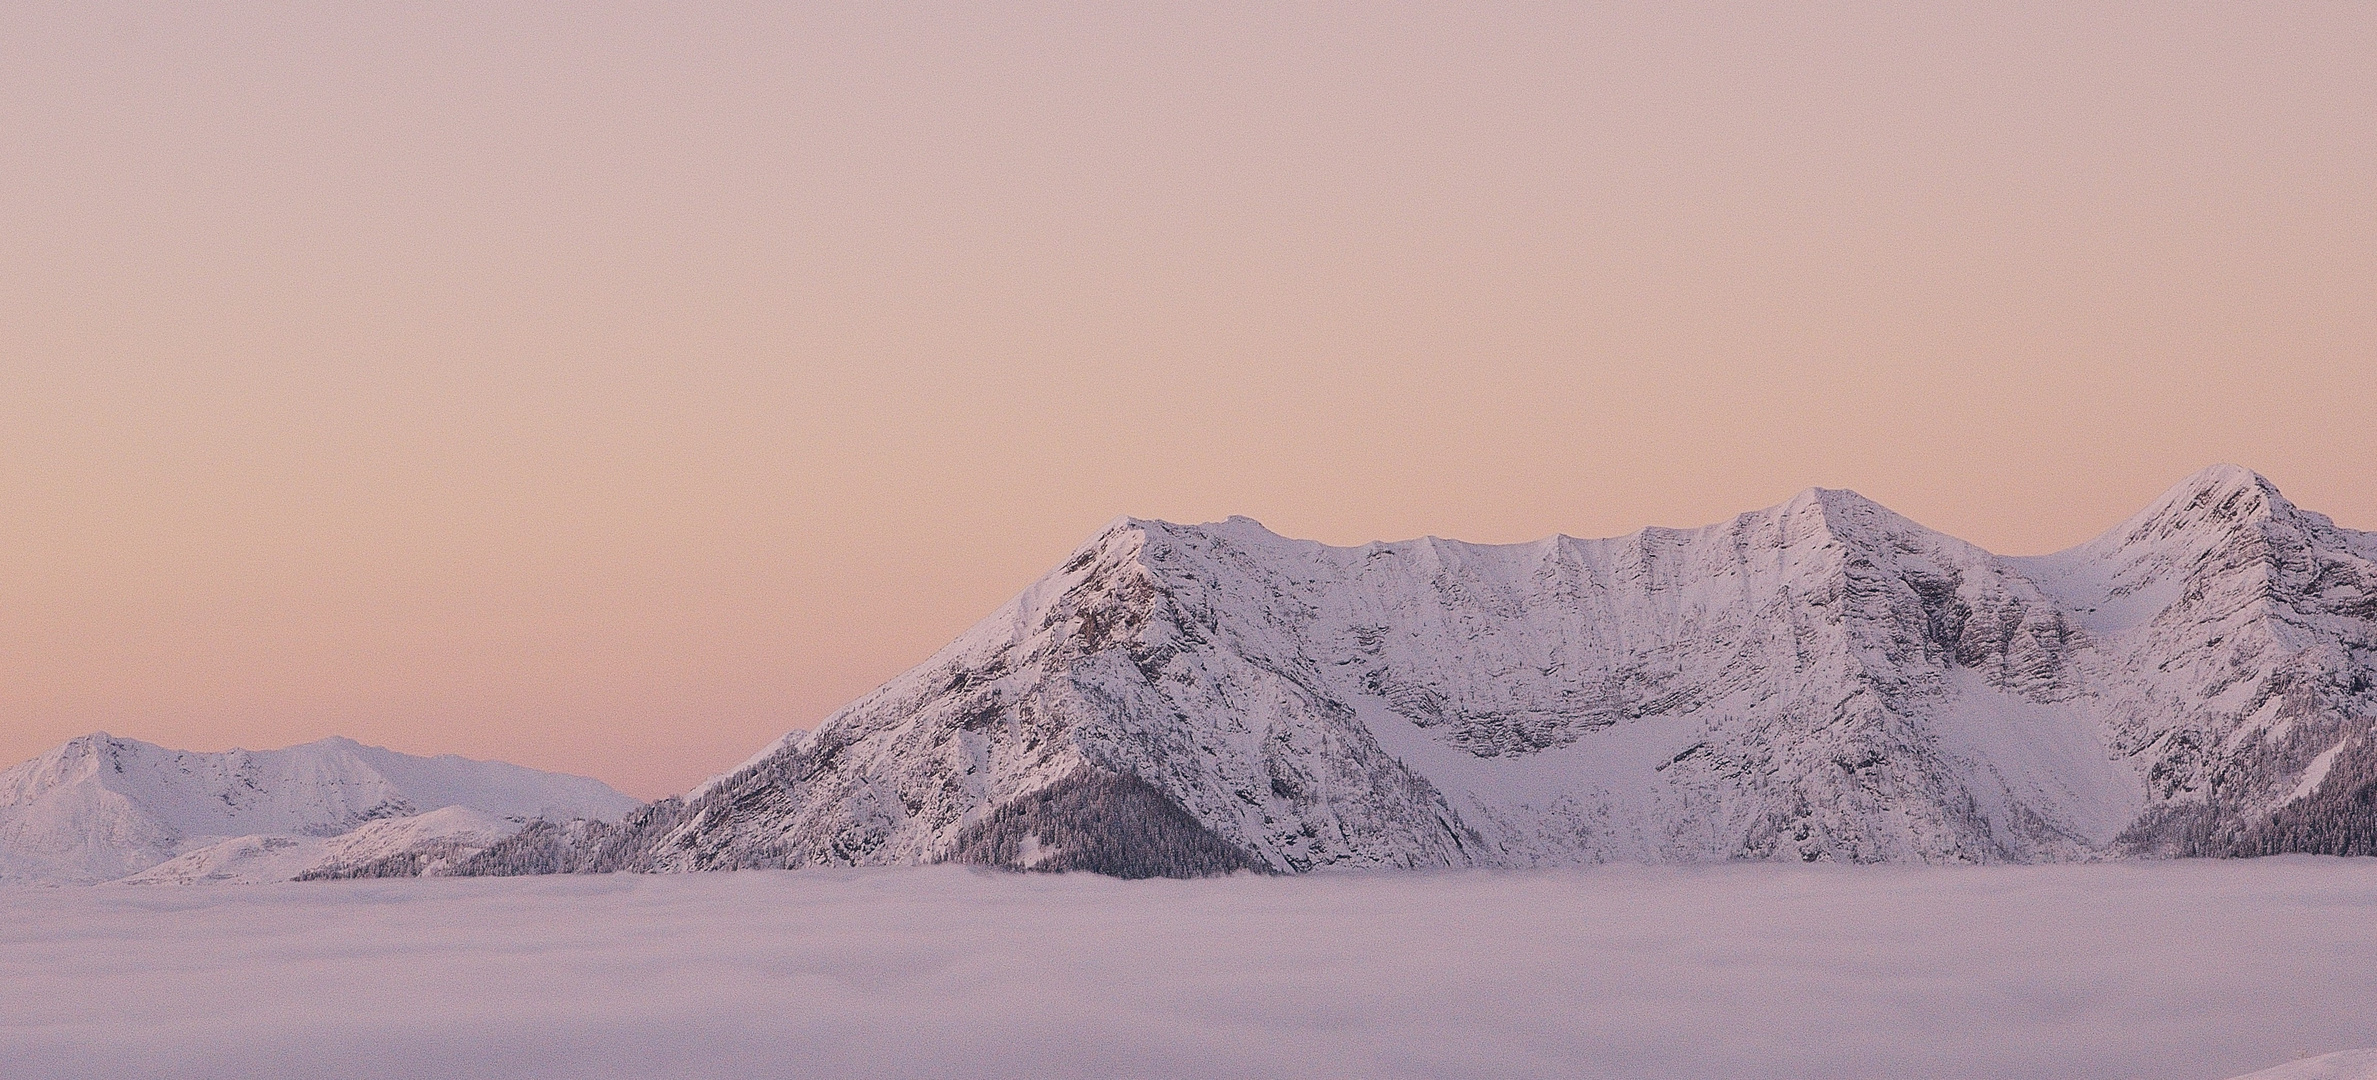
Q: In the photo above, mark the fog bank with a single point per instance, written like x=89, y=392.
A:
x=2177, y=971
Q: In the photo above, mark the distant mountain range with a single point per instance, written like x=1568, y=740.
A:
x=101, y=808
x=1821, y=680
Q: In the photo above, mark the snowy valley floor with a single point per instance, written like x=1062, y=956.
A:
x=2175, y=971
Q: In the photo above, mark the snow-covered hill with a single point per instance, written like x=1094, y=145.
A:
x=433, y=839
x=101, y=808
x=2344, y=1065
x=1822, y=680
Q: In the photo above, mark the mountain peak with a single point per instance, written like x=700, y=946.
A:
x=1831, y=496
x=96, y=746
x=1850, y=517
x=1829, y=500
x=2213, y=500
x=2213, y=481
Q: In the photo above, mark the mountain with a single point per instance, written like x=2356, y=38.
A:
x=99, y=808
x=1821, y=680
x=422, y=844
x=2235, y=661
x=2343, y=1065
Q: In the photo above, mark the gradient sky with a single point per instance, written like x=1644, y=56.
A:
x=613, y=387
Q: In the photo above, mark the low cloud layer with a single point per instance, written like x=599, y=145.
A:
x=2177, y=971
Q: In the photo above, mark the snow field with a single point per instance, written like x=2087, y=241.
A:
x=2175, y=971
x=2342, y=1065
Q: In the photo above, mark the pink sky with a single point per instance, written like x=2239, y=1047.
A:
x=613, y=388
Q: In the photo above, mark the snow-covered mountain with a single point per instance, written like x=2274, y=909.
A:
x=2343, y=1065
x=1822, y=680
x=422, y=843
x=101, y=808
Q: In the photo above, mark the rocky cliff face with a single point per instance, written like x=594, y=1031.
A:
x=1820, y=680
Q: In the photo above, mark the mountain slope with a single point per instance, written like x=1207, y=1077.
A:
x=1824, y=679
x=2238, y=650
x=99, y=808
x=2342, y=1065
x=447, y=833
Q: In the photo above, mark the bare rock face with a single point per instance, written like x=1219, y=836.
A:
x=1822, y=680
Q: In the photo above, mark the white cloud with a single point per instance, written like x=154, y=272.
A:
x=2178, y=971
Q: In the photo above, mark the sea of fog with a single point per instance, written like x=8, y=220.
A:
x=2174, y=971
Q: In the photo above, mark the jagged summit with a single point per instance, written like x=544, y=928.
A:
x=2222, y=477
x=1833, y=503
x=1803, y=525
x=2214, y=500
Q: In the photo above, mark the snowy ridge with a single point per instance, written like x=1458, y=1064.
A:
x=2236, y=649
x=258, y=859
x=2343, y=1065
x=1821, y=680
x=99, y=808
